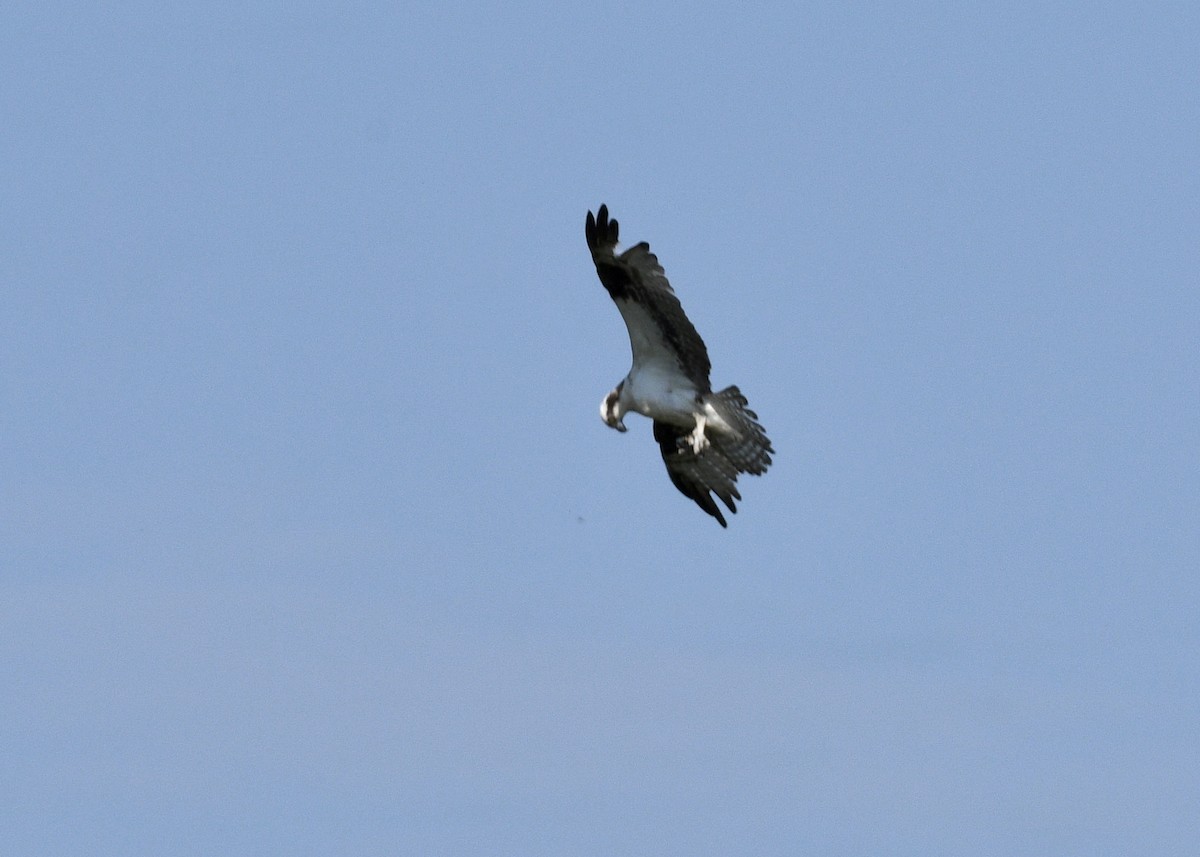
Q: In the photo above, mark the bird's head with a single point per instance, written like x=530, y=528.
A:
x=611, y=411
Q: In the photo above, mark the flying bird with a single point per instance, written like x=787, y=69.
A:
x=706, y=438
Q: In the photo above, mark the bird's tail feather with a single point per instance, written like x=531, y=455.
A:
x=750, y=450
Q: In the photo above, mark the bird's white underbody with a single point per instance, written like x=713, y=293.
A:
x=657, y=394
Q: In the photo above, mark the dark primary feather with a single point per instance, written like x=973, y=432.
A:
x=696, y=475
x=636, y=276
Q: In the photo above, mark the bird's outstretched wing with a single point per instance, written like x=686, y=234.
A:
x=698, y=476
x=659, y=330
x=715, y=469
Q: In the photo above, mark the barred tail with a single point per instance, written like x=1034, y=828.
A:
x=750, y=450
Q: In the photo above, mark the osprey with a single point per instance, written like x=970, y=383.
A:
x=706, y=438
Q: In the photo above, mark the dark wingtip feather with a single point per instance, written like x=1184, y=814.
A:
x=601, y=232
x=691, y=485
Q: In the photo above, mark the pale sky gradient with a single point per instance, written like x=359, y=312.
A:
x=312, y=540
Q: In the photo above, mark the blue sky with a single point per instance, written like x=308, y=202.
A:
x=312, y=540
